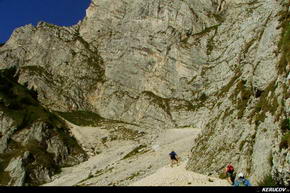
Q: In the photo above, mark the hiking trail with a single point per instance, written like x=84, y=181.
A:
x=133, y=162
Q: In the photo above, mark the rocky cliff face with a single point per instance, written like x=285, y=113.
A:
x=219, y=65
x=34, y=143
x=248, y=123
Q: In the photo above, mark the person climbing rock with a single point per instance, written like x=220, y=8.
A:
x=242, y=181
x=174, y=158
x=230, y=173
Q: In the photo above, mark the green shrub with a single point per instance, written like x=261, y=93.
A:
x=285, y=125
x=284, y=43
x=267, y=181
x=222, y=175
x=285, y=141
x=203, y=97
x=137, y=150
x=82, y=118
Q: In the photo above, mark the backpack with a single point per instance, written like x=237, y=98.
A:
x=172, y=154
x=230, y=168
x=243, y=182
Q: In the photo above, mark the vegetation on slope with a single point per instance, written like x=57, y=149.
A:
x=20, y=105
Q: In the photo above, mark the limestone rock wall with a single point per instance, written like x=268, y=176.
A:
x=220, y=65
x=34, y=143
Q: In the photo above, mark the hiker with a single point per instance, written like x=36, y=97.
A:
x=230, y=173
x=242, y=181
x=173, y=157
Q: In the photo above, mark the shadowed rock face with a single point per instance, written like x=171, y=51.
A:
x=34, y=143
x=219, y=65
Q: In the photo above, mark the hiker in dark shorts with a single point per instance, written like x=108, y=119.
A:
x=230, y=173
x=174, y=158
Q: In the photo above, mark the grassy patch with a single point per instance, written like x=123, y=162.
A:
x=284, y=44
x=36, y=71
x=218, y=17
x=270, y=159
x=138, y=150
x=4, y=178
x=96, y=61
x=223, y=91
x=128, y=134
x=163, y=103
x=228, y=112
x=285, y=125
x=265, y=104
x=82, y=118
x=98, y=173
x=203, y=97
x=20, y=104
x=134, y=175
x=38, y=158
x=222, y=175
x=240, y=97
x=285, y=141
x=89, y=177
x=242, y=145
x=245, y=97
x=207, y=30
x=182, y=105
x=267, y=181
x=210, y=42
x=39, y=155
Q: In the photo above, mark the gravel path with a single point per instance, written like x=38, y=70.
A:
x=178, y=176
x=133, y=162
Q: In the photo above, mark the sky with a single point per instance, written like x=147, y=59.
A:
x=16, y=13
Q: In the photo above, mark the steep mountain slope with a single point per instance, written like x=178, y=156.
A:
x=126, y=160
x=178, y=176
x=249, y=122
x=34, y=143
x=219, y=65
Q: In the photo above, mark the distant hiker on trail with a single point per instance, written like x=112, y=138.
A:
x=230, y=173
x=174, y=158
x=242, y=181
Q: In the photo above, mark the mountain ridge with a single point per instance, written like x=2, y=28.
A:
x=220, y=66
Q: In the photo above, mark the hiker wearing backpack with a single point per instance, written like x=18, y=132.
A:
x=230, y=173
x=174, y=158
x=242, y=181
